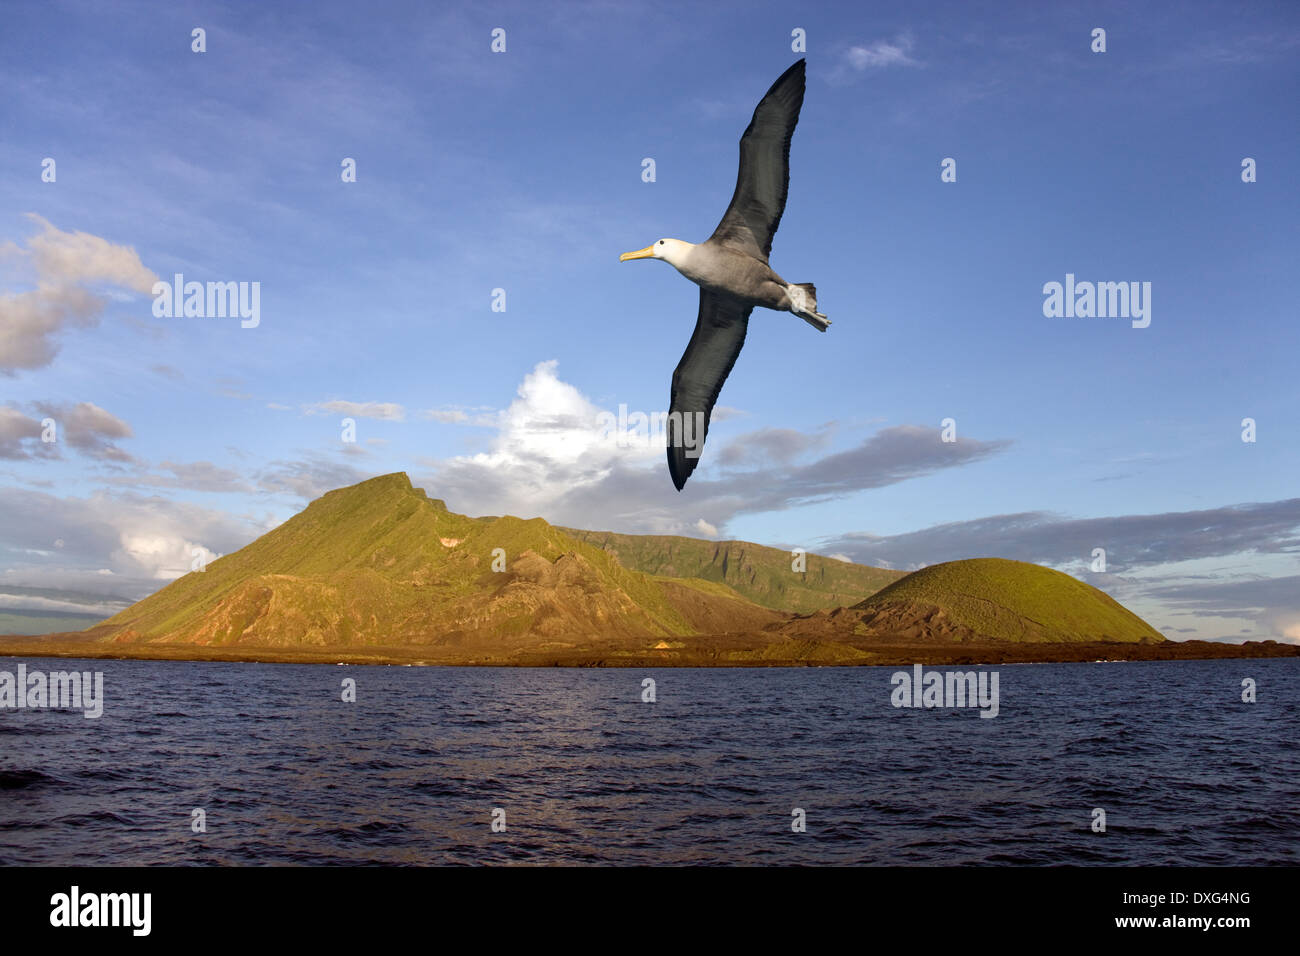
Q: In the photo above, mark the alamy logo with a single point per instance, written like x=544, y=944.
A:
x=678, y=429
x=75, y=908
x=950, y=689
x=213, y=300
x=68, y=690
x=1103, y=300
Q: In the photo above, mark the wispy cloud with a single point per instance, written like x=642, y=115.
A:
x=383, y=411
x=85, y=426
x=1131, y=541
x=768, y=446
x=451, y=416
x=188, y=476
x=1272, y=603
x=308, y=477
x=91, y=430
x=881, y=54
x=64, y=263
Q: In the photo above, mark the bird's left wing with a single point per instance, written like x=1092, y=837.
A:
x=705, y=365
x=764, y=178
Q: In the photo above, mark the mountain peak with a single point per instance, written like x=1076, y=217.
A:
x=392, y=486
x=397, y=479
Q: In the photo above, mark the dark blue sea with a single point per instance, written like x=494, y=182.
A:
x=586, y=772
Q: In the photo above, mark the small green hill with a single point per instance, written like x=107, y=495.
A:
x=995, y=599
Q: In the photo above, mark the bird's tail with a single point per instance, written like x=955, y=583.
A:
x=803, y=303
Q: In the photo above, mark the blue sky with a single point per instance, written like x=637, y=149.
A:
x=522, y=170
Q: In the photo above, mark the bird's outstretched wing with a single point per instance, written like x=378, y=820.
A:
x=750, y=221
x=705, y=365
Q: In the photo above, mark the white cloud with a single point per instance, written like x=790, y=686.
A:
x=66, y=258
x=135, y=540
x=552, y=457
x=549, y=446
x=30, y=320
x=882, y=53
x=704, y=527
x=63, y=262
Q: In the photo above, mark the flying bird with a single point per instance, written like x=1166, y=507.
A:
x=732, y=272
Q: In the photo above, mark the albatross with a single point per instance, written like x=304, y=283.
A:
x=732, y=272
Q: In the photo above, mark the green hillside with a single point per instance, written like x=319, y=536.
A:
x=1001, y=600
x=758, y=573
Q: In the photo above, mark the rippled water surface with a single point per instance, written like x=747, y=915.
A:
x=586, y=772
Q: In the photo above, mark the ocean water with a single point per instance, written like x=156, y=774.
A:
x=286, y=772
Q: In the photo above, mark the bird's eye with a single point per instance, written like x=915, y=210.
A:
x=661, y=242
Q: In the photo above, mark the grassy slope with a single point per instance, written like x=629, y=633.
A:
x=758, y=573
x=1014, y=601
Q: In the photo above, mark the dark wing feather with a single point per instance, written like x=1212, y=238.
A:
x=705, y=365
x=764, y=178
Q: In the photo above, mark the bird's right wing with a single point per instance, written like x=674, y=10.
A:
x=764, y=178
x=705, y=365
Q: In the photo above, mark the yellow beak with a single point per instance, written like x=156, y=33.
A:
x=646, y=253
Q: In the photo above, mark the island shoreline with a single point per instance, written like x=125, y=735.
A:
x=827, y=654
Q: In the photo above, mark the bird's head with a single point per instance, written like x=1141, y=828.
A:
x=672, y=251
